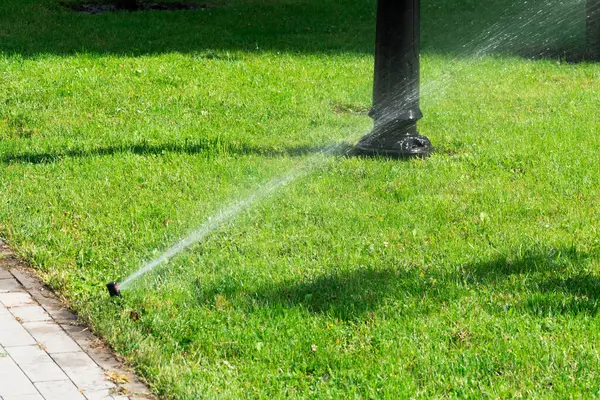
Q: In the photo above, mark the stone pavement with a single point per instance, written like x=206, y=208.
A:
x=45, y=354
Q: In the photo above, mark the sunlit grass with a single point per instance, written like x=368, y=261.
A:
x=471, y=273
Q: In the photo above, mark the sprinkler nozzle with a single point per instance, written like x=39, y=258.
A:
x=113, y=289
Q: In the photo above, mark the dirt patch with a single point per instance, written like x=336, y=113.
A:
x=106, y=7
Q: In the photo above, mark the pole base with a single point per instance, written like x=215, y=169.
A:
x=398, y=147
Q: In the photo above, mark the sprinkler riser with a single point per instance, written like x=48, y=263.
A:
x=113, y=289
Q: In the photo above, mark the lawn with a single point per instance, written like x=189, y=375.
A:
x=472, y=273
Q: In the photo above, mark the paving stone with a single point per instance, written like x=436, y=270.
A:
x=32, y=313
x=98, y=395
x=104, y=394
x=42, y=360
x=74, y=361
x=10, y=285
x=48, y=300
x=83, y=371
x=84, y=338
x=13, y=381
x=103, y=358
x=6, y=363
x=9, y=322
x=78, y=332
x=24, y=397
x=51, y=337
x=15, y=337
x=28, y=355
x=25, y=279
x=58, y=313
x=137, y=388
x=16, y=299
x=59, y=390
x=44, y=372
x=91, y=379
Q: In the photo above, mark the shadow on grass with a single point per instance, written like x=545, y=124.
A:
x=549, y=281
x=349, y=295
x=544, y=282
x=538, y=28
x=207, y=148
x=46, y=27
x=344, y=295
x=523, y=262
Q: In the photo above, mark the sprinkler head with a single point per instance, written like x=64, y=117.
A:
x=113, y=289
x=396, y=147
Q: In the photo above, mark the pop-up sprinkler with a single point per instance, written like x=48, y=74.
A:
x=113, y=289
x=396, y=86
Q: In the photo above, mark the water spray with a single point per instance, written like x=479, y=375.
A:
x=593, y=30
x=396, y=110
x=228, y=213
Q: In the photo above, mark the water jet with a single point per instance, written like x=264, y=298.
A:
x=228, y=213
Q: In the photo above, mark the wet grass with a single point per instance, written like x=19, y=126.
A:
x=472, y=273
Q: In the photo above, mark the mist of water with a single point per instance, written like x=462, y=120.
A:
x=515, y=29
x=530, y=29
x=231, y=211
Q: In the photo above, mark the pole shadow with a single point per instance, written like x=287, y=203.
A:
x=47, y=27
x=557, y=283
x=208, y=148
x=462, y=28
x=347, y=295
x=550, y=281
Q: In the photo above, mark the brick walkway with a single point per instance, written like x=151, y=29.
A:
x=45, y=354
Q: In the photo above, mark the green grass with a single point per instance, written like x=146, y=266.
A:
x=472, y=273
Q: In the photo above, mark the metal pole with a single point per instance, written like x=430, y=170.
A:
x=593, y=30
x=396, y=86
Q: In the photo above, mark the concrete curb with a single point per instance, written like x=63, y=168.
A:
x=45, y=353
